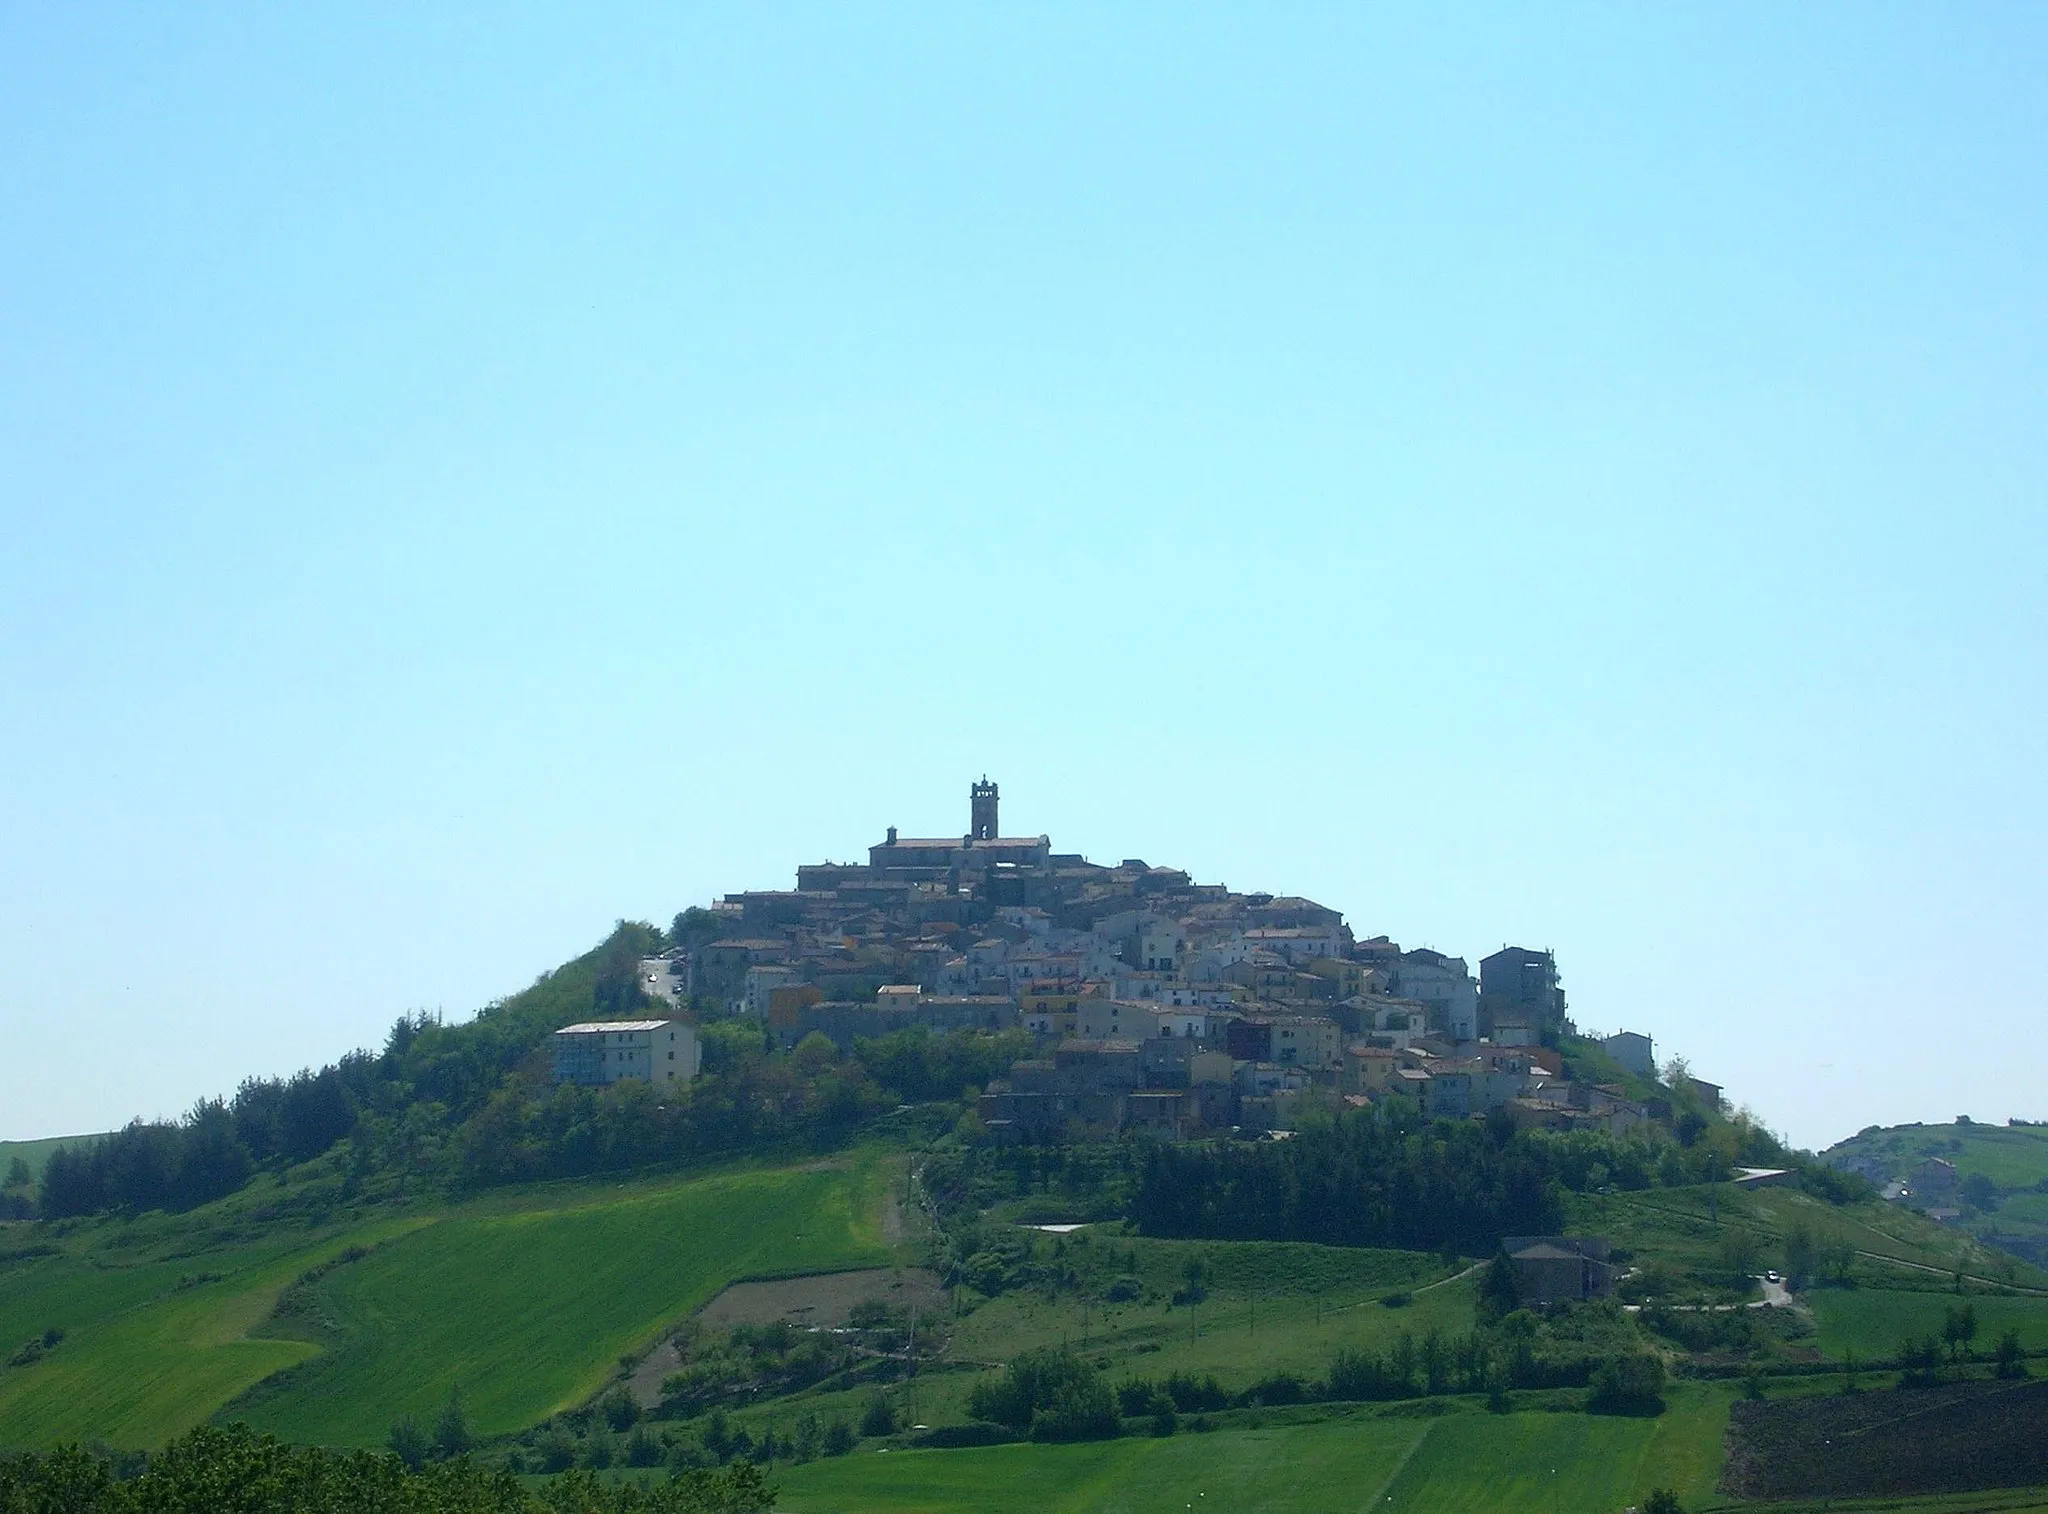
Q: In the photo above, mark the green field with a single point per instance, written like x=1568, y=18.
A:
x=524, y=1301
x=1271, y=1307
x=526, y=1310
x=1872, y=1321
x=35, y=1153
x=154, y=1344
x=1896, y=1247
x=2011, y=1156
x=1548, y=1463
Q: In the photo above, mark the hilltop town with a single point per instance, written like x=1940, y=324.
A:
x=1159, y=1004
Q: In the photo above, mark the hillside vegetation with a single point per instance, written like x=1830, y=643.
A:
x=2000, y=1186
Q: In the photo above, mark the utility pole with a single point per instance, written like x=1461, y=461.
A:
x=913, y=1364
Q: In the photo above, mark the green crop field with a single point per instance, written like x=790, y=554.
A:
x=1549, y=1463
x=525, y=1309
x=524, y=1300
x=1872, y=1321
x=151, y=1346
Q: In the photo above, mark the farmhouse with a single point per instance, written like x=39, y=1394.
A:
x=608, y=1051
x=1559, y=1269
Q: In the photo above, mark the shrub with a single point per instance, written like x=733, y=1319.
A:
x=409, y=1443
x=1053, y=1392
x=1662, y=1501
x=1628, y=1384
x=1191, y=1394
x=642, y=1449
x=451, y=1428
x=1276, y=1388
x=878, y=1418
x=620, y=1409
x=557, y=1449
x=839, y=1438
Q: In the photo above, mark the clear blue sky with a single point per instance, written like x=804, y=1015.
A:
x=1566, y=475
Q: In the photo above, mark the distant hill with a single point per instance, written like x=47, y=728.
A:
x=1999, y=1189
x=36, y=1153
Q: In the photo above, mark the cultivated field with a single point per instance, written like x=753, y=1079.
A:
x=1545, y=1463
x=1872, y=1321
x=526, y=1310
x=523, y=1301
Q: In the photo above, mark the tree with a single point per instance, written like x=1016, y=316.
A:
x=1632, y=1383
x=1739, y=1251
x=621, y=1410
x=2010, y=1355
x=878, y=1418
x=1959, y=1328
x=1053, y=1392
x=451, y=1428
x=1662, y=1501
x=408, y=1442
x=839, y=1437
x=18, y=1174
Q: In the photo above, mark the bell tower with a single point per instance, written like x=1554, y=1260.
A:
x=982, y=822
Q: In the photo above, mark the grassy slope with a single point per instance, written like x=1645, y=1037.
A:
x=1271, y=1307
x=526, y=1305
x=36, y=1153
x=150, y=1350
x=526, y=1299
x=1903, y=1249
x=1456, y=1462
x=2011, y=1156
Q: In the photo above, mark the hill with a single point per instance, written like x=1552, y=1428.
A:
x=522, y=1302
x=1990, y=1181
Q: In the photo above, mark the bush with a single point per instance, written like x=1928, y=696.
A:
x=839, y=1438
x=1628, y=1384
x=409, y=1443
x=1662, y=1501
x=1276, y=1388
x=620, y=1409
x=642, y=1449
x=878, y=1418
x=451, y=1429
x=1052, y=1392
x=1191, y=1394
x=557, y=1448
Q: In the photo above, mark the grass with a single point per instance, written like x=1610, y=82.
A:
x=526, y=1309
x=1459, y=1461
x=1684, y=1226
x=525, y=1299
x=36, y=1153
x=150, y=1349
x=2011, y=1156
x=1872, y=1321
x=1271, y=1307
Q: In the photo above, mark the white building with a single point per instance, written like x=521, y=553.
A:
x=598, y=1052
x=1632, y=1050
x=763, y=981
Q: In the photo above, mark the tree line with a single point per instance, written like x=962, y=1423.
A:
x=476, y=1104
x=234, y=1471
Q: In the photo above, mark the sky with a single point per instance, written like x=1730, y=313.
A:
x=1567, y=475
